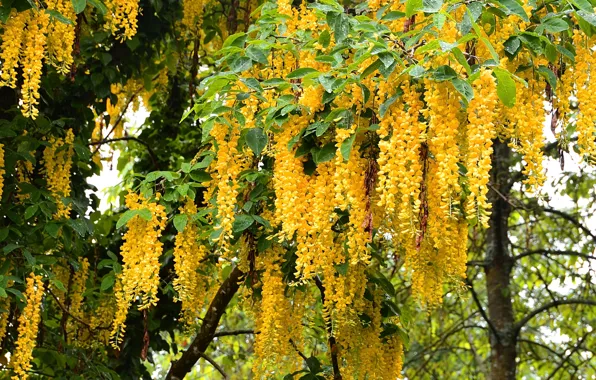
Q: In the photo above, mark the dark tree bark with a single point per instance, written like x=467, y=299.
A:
x=498, y=270
x=198, y=346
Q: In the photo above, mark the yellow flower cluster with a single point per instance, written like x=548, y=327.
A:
x=188, y=255
x=192, y=15
x=77, y=289
x=57, y=162
x=122, y=18
x=482, y=112
x=32, y=60
x=29, y=320
x=12, y=38
x=277, y=325
x=225, y=176
x=366, y=353
x=400, y=168
x=527, y=119
x=61, y=36
x=5, y=305
x=585, y=72
x=140, y=256
x=2, y=171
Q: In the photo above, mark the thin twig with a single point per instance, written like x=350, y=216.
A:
x=214, y=364
x=128, y=138
x=235, y=332
x=75, y=317
x=482, y=312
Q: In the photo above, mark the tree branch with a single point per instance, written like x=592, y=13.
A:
x=235, y=332
x=127, y=138
x=214, y=364
x=331, y=339
x=482, y=312
x=553, y=252
x=571, y=219
x=568, y=357
x=66, y=312
x=518, y=326
x=218, y=306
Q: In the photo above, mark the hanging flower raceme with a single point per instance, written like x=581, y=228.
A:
x=57, y=162
x=32, y=61
x=122, y=18
x=20, y=360
x=277, y=329
x=4, y=315
x=140, y=256
x=225, y=177
x=61, y=36
x=191, y=285
x=584, y=75
x=482, y=112
x=12, y=38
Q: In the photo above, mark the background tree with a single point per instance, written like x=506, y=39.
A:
x=312, y=206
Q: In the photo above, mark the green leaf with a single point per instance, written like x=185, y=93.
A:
x=145, y=214
x=52, y=229
x=431, y=6
x=3, y=293
x=30, y=211
x=3, y=234
x=257, y=55
x=584, y=5
x=101, y=8
x=180, y=221
x=107, y=282
x=443, y=73
x=505, y=87
x=29, y=257
x=512, y=46
x=241, y=64
x=413, y=6
x=58, y=284
x=256, y=140
x=590, y=17
x=59, y=16
x=324, y=38
x=346, y=147
x=78, y=225
x=550, y=77
x=128, y=215
x=387, y=103
x=242, y=222
x=555, y=25
x=9, y=248
x=341, y=27
x=301, y=72
x=513, y=7
x=326, y=153
x=463, y=88
x=79, y=5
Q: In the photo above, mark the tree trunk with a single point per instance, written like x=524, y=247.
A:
x=498, y=270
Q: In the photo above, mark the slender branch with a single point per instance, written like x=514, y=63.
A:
x=568, y=357
x=235, y=332
x=553, y=252
x=541, y=346
x=73, y=316
x=120, y=117
x=492, y=327
x=214, y=364
x=477, y=263
x=571, y=219
x=518, y=326
x=127, y=138
x=218, y=306
x=331, y=339
x=298, y=351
